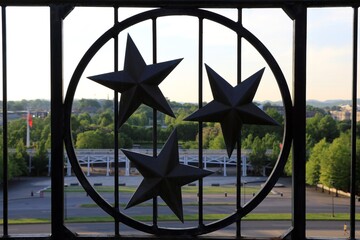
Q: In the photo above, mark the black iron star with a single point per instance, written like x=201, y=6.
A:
x=138, y=83
x=164, y=176
x=232, y=107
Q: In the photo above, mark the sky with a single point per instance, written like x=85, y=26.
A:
x=329, y=67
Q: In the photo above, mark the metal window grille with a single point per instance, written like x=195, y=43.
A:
x=295, y=108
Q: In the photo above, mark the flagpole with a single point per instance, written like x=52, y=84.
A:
x=28, y=129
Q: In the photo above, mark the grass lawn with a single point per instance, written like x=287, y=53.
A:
x=194, y=217
x=185, y=189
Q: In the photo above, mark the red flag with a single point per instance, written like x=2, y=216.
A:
x=29, y=118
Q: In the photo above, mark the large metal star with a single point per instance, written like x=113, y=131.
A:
x=138, y=83
x=164, y=176
x=232, y=107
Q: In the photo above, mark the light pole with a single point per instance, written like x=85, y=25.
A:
x=332, y=200
x=244, y=184
x=65, y=204
x=333, y=205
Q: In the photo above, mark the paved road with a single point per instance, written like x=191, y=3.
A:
x=329, y=229
x=23, y=205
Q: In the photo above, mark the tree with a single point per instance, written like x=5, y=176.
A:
x=17, y=106
x=316, y=110
x=274, y=153
x=84, y=119
x=20, y=158
x=187, y=131
x=335, y=166
x=40, y=159
x=89, y=105
x=344, y=126
x=125, y=141
x=313, y=166
x=288, y=166
x=94, y=139
x=262, y=130
x=258, y=156
x=16, y=164
x=247, y=142
x=16, y=131
x=107, y=104
x=217, y=143
x=321, y=126
x=358, y=166
x=209, y=133
x=106, y=118
x=328, y=127
x=138, y=119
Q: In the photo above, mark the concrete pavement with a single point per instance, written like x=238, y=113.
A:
x=21, y=201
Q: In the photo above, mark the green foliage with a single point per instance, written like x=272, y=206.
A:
x=313, y=166
x=135, y=133
x=262, y=130
x=210, y=133
x=258, y=156
x=41, y=159
x=94, y=139
x=247, y=142
x=190, y=145
x=187, y=131
x=357, y=183
x=288, y=166
x=344, y=126
x=16, y=162
x=89, y=104
x=19, y=160
x=84, y=119
x=93, y=127
x=217, y=143
x=106, y=119
x=16, y=131
x=321, y=126
x=138, y=119
x=335, y=165
x=315, y=110
x=259, y=146
x=274, y=153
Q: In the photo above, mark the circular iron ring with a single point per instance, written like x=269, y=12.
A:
x=201, y=14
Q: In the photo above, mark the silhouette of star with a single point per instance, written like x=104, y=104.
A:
x=164, y=176
x=138, y=83
x=232, y=107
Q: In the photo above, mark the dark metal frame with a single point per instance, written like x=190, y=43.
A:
x=295, y=111
x=241, y=211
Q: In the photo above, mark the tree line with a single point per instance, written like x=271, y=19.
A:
x=92, y=122
x=328, y=156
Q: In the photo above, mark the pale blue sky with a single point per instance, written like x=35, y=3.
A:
x=329, y=51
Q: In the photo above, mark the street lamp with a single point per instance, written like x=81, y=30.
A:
x=332, y=200
x=244, y=184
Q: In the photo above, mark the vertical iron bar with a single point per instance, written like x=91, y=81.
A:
x=116, y=131
x=155, y=200
x=299, y=113
x=353, y=127
x=5, y=126
x=238, y=147
x=57, y=116
x=200, y=100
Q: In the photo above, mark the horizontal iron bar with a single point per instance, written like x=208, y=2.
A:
x=186, y=3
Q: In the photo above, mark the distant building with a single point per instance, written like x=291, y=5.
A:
x=13, y=115
x=344, y=113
